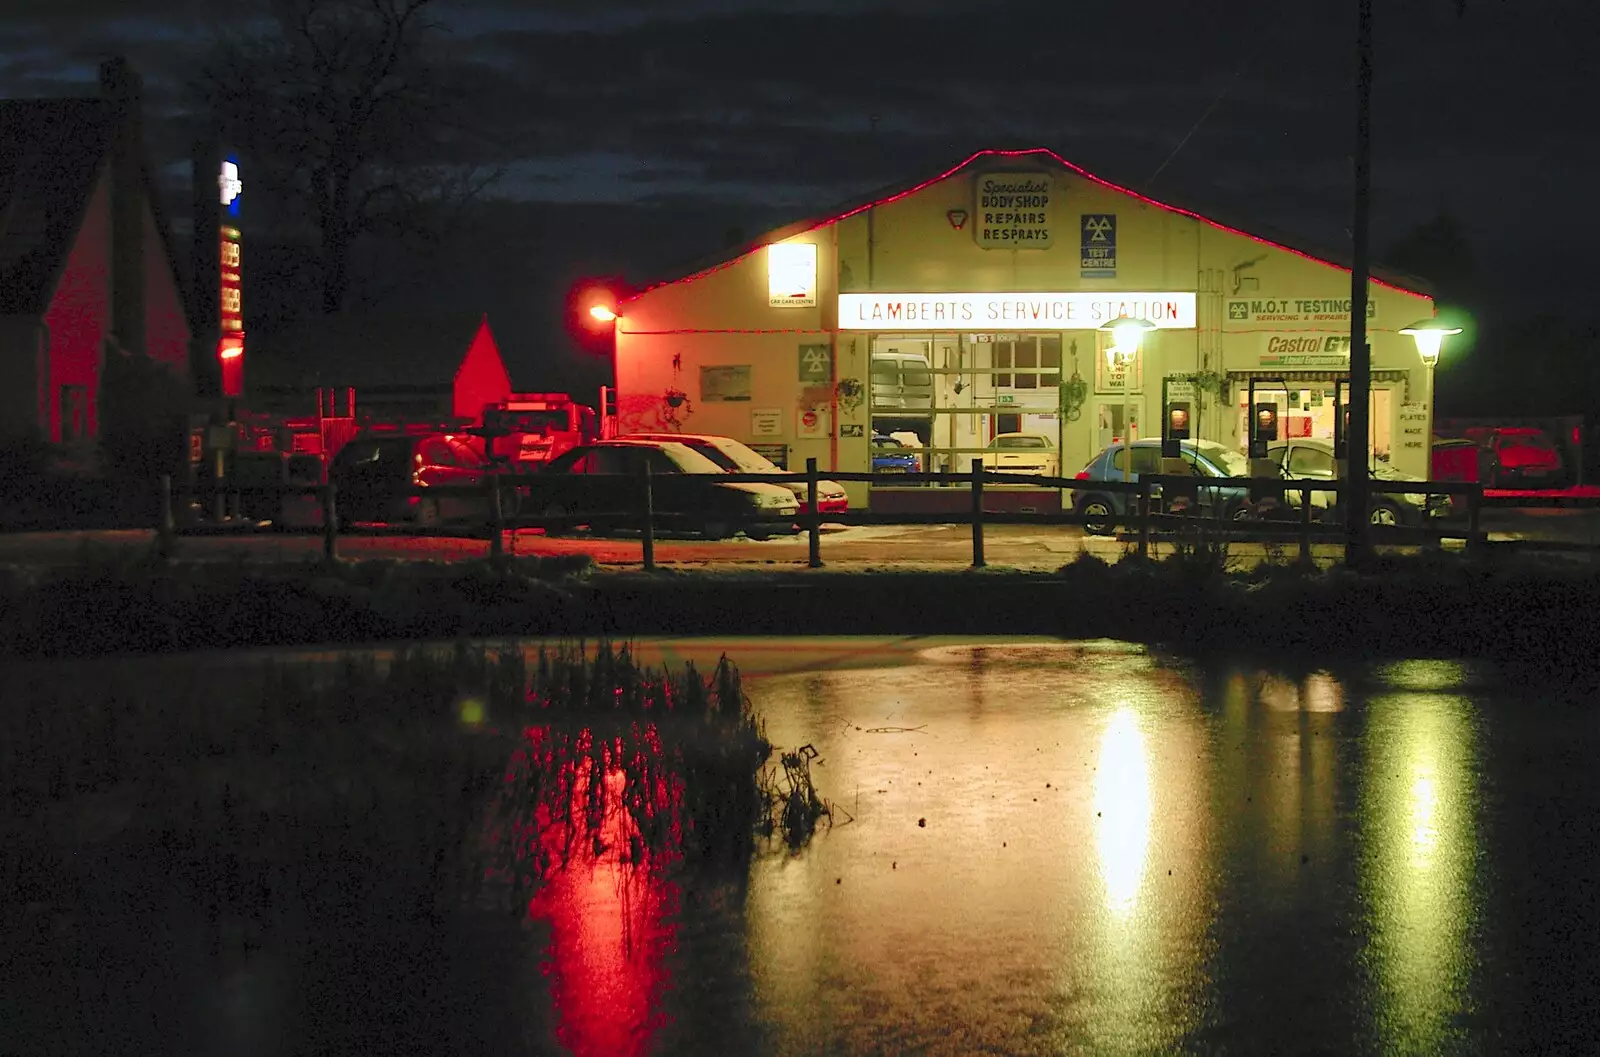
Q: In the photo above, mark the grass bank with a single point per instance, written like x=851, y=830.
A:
x=1433, y=604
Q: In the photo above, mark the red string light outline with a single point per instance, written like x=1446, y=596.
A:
x=1091, y=177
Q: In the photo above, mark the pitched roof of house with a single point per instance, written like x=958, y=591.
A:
x=1038, y=155
x=52, y=152
x=367, y=350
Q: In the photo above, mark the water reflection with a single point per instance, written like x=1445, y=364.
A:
x=1419, y=797
x=1122, y=811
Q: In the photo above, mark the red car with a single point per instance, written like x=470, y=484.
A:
x=379, y=476
x=1524, y=456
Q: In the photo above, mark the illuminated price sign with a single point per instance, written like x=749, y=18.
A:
x=232, y=317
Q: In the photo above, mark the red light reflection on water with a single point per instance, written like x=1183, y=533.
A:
x=600, y=820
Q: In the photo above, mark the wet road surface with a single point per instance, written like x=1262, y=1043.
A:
x=936, y=546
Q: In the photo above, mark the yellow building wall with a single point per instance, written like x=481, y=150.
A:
x=911, y=245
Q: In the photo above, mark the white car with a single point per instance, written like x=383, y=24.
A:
x=735, y=457
x=1032, y=453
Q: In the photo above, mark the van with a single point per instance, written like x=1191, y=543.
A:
x=902, y=382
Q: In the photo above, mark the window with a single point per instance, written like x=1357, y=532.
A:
x=1036, y=361
x=74, y=413
x=467, y=455
x=1021, y=440
x=1304, y=460
x=435, y=452
x=608, y=460
x=1145, y=459
x=885, y=372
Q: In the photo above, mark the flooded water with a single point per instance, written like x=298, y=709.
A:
x=1038, y=847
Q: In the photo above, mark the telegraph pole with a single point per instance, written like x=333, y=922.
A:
x=1358, y=435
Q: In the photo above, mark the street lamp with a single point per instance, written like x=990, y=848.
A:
x=1429, y=334
x=1126, y=334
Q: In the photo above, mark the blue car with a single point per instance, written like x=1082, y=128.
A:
x=1101, y=510
x=890, y=456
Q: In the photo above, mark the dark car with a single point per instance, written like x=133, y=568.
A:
x=891, y=456
x=385, y=477
x=1313, y=460
x=599, y=485
x=1101, y=509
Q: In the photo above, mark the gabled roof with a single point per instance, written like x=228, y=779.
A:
x=52, y=152
x=1255, y=232
x=367, y=350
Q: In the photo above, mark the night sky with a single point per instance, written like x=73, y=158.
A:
x=637, y=134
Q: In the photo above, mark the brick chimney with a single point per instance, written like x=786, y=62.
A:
x=123, y=88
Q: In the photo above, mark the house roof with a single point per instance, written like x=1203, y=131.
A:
x=52, y=152
x=1041, y=155
x=367, y=350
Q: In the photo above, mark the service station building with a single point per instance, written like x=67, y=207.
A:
x=971, y=304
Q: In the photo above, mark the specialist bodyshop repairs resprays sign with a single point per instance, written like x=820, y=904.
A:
x=1013, y=210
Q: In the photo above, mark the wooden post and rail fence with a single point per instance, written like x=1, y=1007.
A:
x=1146, y=517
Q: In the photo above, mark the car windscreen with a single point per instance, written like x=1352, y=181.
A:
x=885, y=372
x=1024, y=441
x=687, y=460
x=916, y=373
x=1230, y=462
x=528, y=421
x=736, y=456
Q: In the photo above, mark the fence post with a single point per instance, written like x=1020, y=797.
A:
x=164, y=523
x=814, y=526
x=330, y=521
x=1144, y=516
x=1305, y=522
x=649, y=532
x=1474, y=508
x=977, y=514
x=497, y=520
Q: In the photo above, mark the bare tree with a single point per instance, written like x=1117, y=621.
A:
x=344, y=109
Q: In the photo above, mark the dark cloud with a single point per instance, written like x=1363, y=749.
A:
x=744, y=105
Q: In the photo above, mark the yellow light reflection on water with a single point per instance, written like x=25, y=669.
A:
x=1419, y=801
x=1122, y=811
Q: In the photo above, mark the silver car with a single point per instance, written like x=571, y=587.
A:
x=1314, y=460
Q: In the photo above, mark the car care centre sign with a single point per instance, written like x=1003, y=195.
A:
x=1007, y=311
x=1293, y=310
x=1012, y=210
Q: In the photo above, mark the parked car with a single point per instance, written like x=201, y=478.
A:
x=735, y=457
x=1524, y=456
x=1313, y=460
x=890, y=455
x=1032, y=453
x=1101, y=510
x=1461, y=459
x=599, y=485
x=375, y=475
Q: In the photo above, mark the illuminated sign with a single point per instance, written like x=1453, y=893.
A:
x=231, y=186
x=232, y=314
x=1013, y=311
x=1294, y=310
x=1013, y=210
x=792, y=274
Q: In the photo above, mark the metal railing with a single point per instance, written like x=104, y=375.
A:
x=1149, y=508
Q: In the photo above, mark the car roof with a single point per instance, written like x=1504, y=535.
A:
x=677, y=438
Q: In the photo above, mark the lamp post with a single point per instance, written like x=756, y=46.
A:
x=1429, y=334
x=1126, y=334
